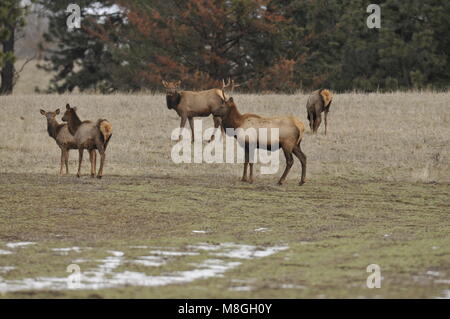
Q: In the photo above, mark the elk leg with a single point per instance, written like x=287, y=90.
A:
x=66, y=161
x=182, y=125
x=101, y=150
x=191, y=124
x=244, y=175
x=217, y=121
x=311, y=119
x=91, y=159
x=302, y=157
x=289, y=162
x=62, y=162
x=95, y=160
x=251, y=173
x=325, y=120
x=80, y=160
x=317, y=122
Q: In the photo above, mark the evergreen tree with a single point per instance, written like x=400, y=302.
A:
x=11, y=20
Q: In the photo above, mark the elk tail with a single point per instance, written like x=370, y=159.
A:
x=106, y=129
x=326, y=96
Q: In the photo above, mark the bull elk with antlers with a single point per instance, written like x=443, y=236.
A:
x=190, y=104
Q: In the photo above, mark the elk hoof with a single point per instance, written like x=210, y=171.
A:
x=244, y=179
x=99, y=176
x=250, y=181
x=280, y=183
x=301, y=183
x=78, y=175
x=92, y=175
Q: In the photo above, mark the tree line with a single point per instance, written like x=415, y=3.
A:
x=265, y=45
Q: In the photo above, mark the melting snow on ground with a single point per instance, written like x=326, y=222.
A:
x=218, y=259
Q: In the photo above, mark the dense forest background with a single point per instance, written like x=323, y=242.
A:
x=266, y=46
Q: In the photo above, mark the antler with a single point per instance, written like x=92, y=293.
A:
x=226, y=85
x=233, y=86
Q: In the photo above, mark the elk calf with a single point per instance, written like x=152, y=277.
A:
x=89, y=135
x=290, y=129
x=319, y=101
x=60, y=133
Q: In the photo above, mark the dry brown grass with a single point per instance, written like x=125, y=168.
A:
x=368, y=199
x=398, y=136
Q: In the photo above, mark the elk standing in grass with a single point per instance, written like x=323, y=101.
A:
x=89, y=135
x=60, y=133
x=290, y=129
x=190, y=104
x=319, y=101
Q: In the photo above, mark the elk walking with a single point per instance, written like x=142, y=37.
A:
x=291, y=131
x=190, y=104
x=319, y=101
x=60, y=133
x=89, y=135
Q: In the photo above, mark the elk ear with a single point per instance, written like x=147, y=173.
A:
x=57, y=111
x=231, y=100
x=42, y=112
x=178, y=84
x=164, y=83
x=67, y=106
x=74, y=108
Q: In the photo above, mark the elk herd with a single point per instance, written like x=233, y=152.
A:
x=95, y=135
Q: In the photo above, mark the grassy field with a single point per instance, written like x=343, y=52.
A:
x=377, y=192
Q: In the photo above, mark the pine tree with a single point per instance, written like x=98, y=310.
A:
x=11, y=20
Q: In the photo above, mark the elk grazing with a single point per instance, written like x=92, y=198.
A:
x=60, y=133
x=319, y=101
x=290, y=129
x=89, y=135
x=190, y=104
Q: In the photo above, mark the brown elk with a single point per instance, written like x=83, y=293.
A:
x=319, y=101
x=89, y=135
x=291, y=132
x=190, y=104
x=60, y=133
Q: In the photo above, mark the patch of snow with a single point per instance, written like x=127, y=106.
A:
x=105, y=275
x=248, y=251
x=19, y=244
x=173, y=253
x=150, y=261
x=262, y=229
x=433, y=273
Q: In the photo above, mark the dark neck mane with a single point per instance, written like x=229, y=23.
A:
x=173, y=100
x=74, y=122
x=233, y=118
x=53, y=128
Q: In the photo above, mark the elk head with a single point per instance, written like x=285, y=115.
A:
x=50, y=115
x=223, y=110
x=172, y=96
x=69, y=112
